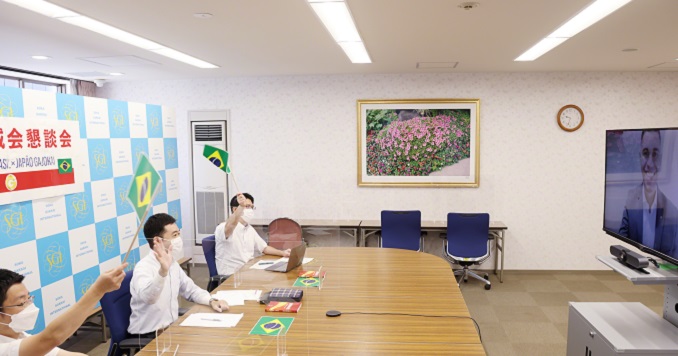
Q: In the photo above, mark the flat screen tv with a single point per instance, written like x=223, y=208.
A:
x=641, y=189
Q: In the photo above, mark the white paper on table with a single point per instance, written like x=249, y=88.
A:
x=212, y=320
x=232, y=297
x=285, y=259
x=238, y=297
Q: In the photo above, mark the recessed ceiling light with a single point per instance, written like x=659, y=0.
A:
x=629, y=49
x=40, y=57
x=56, y=12
x=336, y=17
x=116, y=73
x=202, y=15
x=593, y=13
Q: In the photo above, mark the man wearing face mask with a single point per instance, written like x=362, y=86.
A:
x=158, y=280
x=236, y=241
x=18, y=314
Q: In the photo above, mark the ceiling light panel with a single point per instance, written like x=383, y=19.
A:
x=540, y=48
x=337, y=18
x=356, y=52
x=56, y=12
x=587, y=17
x=593, y=13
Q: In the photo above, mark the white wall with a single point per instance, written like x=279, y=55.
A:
x=294, y=147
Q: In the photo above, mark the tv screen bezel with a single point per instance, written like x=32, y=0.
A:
x=616, y=235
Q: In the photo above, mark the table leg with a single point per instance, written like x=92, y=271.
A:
x=503, y=251
x=496, y=252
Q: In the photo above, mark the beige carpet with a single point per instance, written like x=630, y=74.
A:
x=525, y=315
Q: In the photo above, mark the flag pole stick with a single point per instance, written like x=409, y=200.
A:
x=234, y=180
x=135, y=235
x=141, y=223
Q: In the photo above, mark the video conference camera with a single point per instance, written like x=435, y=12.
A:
x=628, y=257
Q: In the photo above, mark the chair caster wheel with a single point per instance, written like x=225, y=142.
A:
x=488, y=286
x=466, y=281
x=486, y=276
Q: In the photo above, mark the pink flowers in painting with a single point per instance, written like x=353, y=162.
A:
x=418, y=146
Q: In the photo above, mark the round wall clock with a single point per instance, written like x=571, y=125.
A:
x=570, y=118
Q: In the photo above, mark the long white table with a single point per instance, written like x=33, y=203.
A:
x=361, y=229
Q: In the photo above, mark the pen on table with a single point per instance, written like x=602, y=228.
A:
x=209, y=319
x=265, y=263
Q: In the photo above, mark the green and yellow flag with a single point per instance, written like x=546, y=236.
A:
x=65, y=165
x=217, y=156
x=144, y=184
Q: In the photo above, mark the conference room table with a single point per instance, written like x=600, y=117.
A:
x=393, y=302
x=351, y=227
x=497, y=233
x=360, y=230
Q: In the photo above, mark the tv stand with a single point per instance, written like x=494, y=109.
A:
x=626, y=328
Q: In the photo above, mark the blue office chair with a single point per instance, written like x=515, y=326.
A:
x=208, y=247
x=468, y=243
x=117, y=310
x=401, y=229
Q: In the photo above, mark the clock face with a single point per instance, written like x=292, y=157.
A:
x=570, y=118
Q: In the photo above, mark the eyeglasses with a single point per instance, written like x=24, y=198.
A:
x=28, y=301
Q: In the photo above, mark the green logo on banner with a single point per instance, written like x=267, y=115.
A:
x=65, y=166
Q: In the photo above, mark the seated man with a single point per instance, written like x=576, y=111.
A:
x=18, y=314
x=158, y=280
x=236, y=241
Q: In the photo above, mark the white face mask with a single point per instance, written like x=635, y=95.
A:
x=177, y=247
x=247, y=215
x=24, y=320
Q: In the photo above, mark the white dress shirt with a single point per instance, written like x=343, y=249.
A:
x=10, y=347
x=233, y=252
x=154, y=298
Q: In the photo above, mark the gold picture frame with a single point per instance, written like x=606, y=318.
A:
x=419, y=143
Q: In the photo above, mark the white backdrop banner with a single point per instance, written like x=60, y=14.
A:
x=63, y=240
x=38, y=159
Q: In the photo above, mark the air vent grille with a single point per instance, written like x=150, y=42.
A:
x=208, y=133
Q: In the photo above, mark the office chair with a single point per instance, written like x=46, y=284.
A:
x=468, y=243
x=117, y=310
x=208, y=247
x=401, y=229
x=284, y=233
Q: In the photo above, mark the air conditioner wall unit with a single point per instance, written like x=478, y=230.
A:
x=210, y=186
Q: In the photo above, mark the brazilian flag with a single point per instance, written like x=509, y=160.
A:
x=65, y=165
x=144, y=184
x=271, y=326
x=217, y=156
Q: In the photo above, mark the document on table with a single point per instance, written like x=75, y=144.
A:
x=285, y=259
x=212, y=320
x=238, y=297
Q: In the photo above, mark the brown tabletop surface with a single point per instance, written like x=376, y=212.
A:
x=358, y=280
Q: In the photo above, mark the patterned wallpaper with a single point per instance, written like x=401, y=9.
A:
x=294, y=147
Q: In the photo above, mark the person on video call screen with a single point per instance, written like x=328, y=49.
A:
x=650, y=218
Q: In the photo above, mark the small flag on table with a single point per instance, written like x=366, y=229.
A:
x=217, y=156
x=144, y=184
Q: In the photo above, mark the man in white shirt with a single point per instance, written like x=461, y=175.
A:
x=236, y=240
x=158, y=280
x=18, y=314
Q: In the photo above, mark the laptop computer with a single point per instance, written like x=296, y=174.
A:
x=296, y=257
